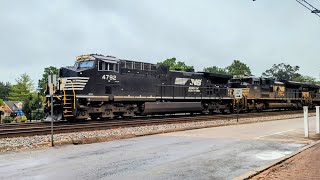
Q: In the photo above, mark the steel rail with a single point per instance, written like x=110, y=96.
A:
x=42, y=128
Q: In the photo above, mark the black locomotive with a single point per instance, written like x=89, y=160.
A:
x=266, y=93
x=100, y=86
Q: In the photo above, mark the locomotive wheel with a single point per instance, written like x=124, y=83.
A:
x=94, y=116
x=118, y=115
x=57, y=116
x=223, y=111
x=70, y=119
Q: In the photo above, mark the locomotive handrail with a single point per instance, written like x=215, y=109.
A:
x=64, y=92
x=180, y=91
x=219, y=92
x=74, y=95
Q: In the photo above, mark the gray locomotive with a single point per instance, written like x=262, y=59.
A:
x=100, y=86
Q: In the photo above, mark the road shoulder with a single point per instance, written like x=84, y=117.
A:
x=254, y=173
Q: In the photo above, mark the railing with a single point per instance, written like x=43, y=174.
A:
x=64, y=92
x=285, y=95
x=196, y=92
x=275, y=95
x=315, y=96
x=74, y=95
x=190, y=92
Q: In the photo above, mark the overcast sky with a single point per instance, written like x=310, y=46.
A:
x=38, y=34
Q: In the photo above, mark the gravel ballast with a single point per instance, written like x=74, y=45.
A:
x=21, y=143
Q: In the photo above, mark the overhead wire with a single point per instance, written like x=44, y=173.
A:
x=313, y=9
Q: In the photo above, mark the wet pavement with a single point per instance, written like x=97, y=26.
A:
x=195, y=154
x=304, y=165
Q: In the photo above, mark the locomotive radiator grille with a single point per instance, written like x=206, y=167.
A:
x=77, y=84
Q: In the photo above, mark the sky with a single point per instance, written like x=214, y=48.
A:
x=42, y=33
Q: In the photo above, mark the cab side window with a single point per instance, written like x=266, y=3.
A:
x=106, y=66
x=110, y=67
x=100, y=66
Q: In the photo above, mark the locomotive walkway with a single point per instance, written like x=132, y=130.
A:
x=213, y=153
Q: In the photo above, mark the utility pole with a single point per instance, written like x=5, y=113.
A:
x=238, y=97
x=1, y=112
x=51, y=82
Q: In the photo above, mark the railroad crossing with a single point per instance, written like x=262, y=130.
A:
x=213, y=153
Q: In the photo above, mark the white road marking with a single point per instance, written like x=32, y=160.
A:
x=272, y=155
x=277, y=133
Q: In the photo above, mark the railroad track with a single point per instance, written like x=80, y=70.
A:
x=43, y=128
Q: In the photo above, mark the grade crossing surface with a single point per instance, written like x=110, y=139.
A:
x=211, y=153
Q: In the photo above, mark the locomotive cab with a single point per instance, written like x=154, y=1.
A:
x=83, y=63
x=90, y=77
x=239, y=81
x=90, y=73
x=90, y=62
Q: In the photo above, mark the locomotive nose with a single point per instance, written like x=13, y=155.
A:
x=68, y=72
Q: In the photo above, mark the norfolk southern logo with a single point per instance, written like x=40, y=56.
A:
x=181, y=81
x=194, y=84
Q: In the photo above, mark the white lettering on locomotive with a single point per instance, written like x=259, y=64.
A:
x=195, y=82
x=109, y=77
x=194, y=89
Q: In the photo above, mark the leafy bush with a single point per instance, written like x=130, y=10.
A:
x=1, y=102
x=19, y=119
x=7, y=119
x=24, y=119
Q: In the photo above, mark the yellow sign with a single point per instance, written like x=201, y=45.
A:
x=83, y=57
x=238, y=93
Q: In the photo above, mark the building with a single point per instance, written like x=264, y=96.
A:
x=12, y=107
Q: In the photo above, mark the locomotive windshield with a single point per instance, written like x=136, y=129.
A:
x=84, y=64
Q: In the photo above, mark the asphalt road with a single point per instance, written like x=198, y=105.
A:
x=212, y=153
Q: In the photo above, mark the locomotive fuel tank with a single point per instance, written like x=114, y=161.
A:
x=171, y=107
x=280, y=105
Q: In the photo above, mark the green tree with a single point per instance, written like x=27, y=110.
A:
x=175, y=65
x=22, y=89
x=32, y=102
x=1, y=102
x=43, y=82
x=306, y=79
x=215, y=69
x=282, y=72
x=238, y=68
x=5, y=89
x=1, y=109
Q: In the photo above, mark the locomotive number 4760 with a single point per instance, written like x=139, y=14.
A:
x=109, y=77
